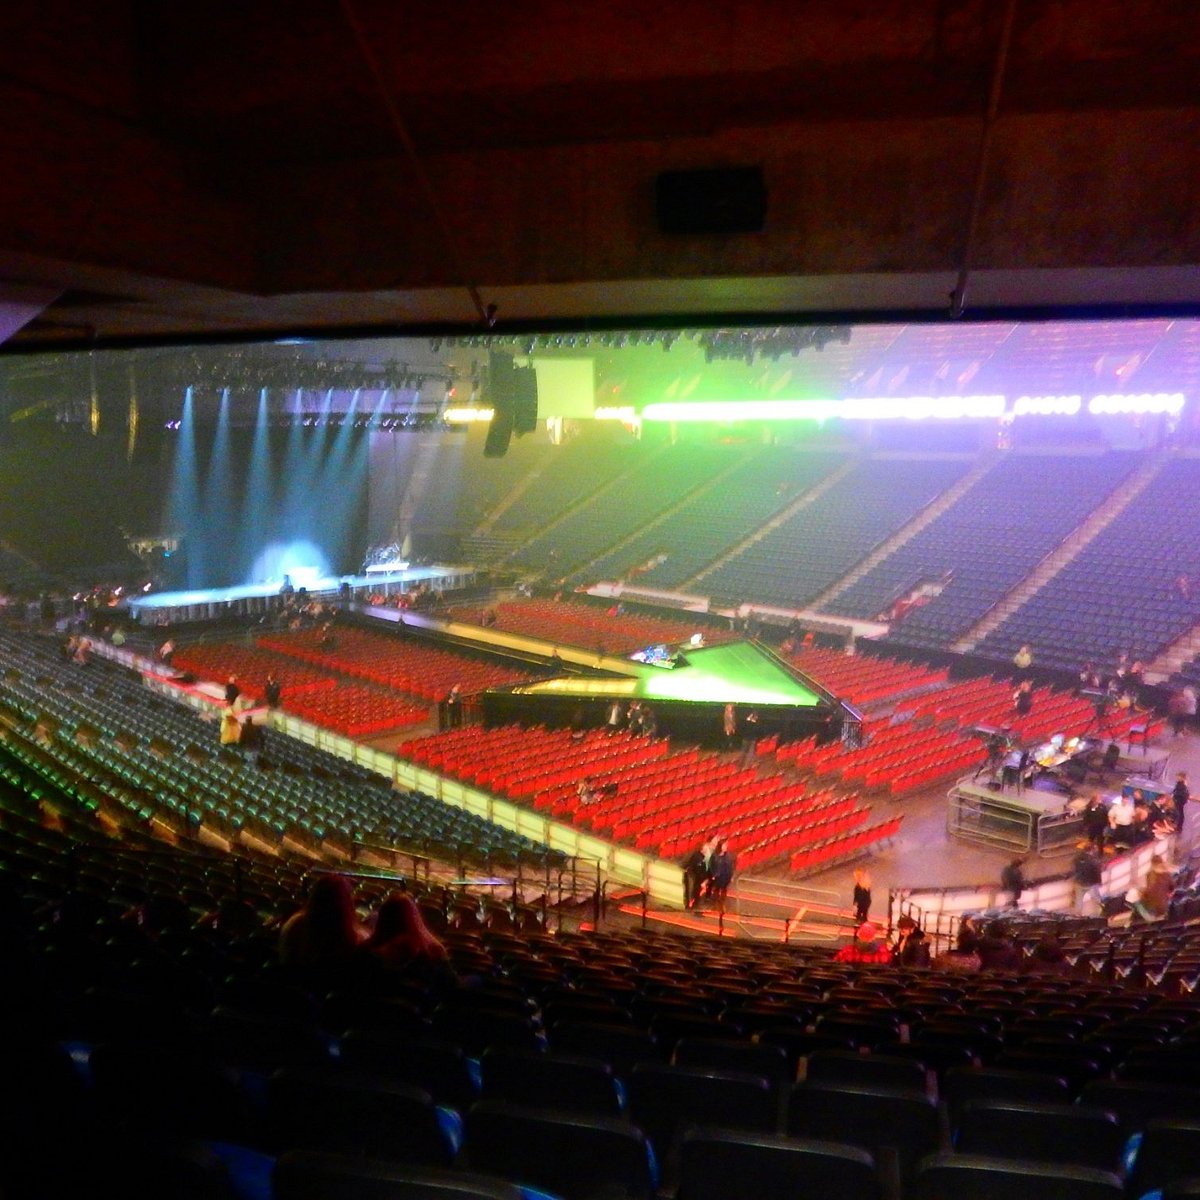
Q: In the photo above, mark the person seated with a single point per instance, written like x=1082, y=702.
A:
x=911, y=949
x=866, y=947
x=324, y=933
x=403, y=944
x=997, y=951
x=1047, y=958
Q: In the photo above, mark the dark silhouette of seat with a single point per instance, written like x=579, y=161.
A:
x=664, y=1101
x=261, y=1044
x=441, y=1068
x=558, y=1081
x=575, y=1156
x=622, y=1047
x=310, y=1175
x=962, y=1084
x=838, y=1067
x=1137, y=1103
x=1077, y=1067
x=977, y=1177
x=731, y=1054
x=1073, y=1134
x=147, y=1087
x=477, y=1029
x=722, y=1165
x=891, y=1123
x=1169, y=1154
x=343, y=1111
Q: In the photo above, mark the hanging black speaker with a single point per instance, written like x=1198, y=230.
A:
x=723, y=200
x=525, y=400
x=500, y=390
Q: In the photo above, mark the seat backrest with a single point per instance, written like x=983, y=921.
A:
x=621, y=1046
x=559, y=1081
x=1168, y=1154
x=977, y=1177
x=440, y=1068
x=891, y=1121
x=723, y=1165
x=1137, y=1103
x=962, y=1084
x=341, y=1111
x=311, y=1175
x=663, y=1101
x=870, y=1070
x=729, y=1054
x=575, y=1156
x=1057, y=1133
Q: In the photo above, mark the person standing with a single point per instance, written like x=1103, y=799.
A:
x=232, y=691
x=1180, y=795
x=750, y=738
x=723, y=864
x=729, y=726
x=1023, y=660
x=272, y=691
x=694, y=869
x=613, y=721
x=1088, y=873
x=1012, y=880
x=861, y=894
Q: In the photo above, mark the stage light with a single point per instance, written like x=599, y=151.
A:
x=1047, y=406
x=1131, y=403
x=456, y=416
x=867, y=408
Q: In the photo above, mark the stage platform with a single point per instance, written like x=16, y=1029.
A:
x=1031, y=820
x=207, y=604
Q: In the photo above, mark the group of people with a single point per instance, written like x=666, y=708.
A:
x=1133, y=818
x=708, y=872
x=327, y=935
x=908, y=948
x=639, y=719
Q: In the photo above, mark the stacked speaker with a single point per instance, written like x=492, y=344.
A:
x=513, y=398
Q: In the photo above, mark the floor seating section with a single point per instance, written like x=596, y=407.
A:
x=406, y=665
x=1118, y=594
x=589, y=626
x=986, y=543
x=662, y=801
x=353, y=710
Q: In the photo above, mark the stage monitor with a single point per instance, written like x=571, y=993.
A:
x=657, y=656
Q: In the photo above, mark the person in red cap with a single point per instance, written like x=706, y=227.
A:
x=866, y=947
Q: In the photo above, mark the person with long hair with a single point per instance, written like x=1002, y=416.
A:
x=403, y=943
x=326, y=931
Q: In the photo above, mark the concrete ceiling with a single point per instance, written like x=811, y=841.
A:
x=230, y=166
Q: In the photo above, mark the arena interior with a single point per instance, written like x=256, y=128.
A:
x=600, y=603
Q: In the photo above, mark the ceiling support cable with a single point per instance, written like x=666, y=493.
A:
x=999, y=67
x=487, y=314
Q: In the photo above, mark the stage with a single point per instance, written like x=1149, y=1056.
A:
x=207, y=604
